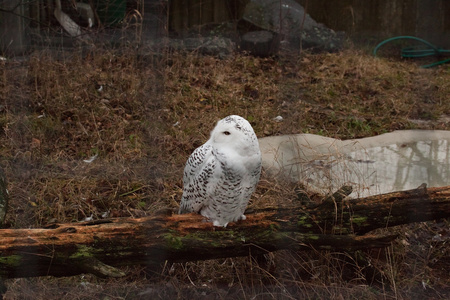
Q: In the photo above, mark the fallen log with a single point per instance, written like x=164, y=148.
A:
x=99, y=247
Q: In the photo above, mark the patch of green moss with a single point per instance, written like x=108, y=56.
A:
x=358, y=219
x=11, y=260
x=304, y=221
x=341, y=230
x=173, y=242
x=82, y=252
x=274, y=227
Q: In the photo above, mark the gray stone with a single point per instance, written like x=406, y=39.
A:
x=215, y=46
x=281, y=16
x=289, y=20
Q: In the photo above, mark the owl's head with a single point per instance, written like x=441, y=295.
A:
x=235, y=132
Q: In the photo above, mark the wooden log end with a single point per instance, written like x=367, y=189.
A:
x=260, y=43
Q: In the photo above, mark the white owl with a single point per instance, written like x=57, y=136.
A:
x=221, y=175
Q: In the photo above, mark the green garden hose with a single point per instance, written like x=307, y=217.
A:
x=414, y=52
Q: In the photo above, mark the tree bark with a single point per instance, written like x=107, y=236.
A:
x=99, y=247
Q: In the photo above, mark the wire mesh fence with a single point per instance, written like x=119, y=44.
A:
x=99, y=115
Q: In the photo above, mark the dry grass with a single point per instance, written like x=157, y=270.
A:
x=142, y=118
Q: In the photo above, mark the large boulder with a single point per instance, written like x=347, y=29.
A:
x=289, y=20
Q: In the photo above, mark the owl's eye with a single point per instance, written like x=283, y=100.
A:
x=226, y=133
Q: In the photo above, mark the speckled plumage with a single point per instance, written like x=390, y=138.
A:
x=221, y=175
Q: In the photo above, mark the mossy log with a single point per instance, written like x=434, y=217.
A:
x=99, y=247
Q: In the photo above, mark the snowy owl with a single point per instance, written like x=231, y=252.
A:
x=221, y=175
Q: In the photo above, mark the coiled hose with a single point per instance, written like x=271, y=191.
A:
x=414, y=52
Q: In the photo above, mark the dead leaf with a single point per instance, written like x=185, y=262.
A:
x=35, y=143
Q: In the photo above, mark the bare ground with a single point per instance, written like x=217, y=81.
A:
x=140, y=116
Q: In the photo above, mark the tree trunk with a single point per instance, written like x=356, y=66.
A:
x=98, y=247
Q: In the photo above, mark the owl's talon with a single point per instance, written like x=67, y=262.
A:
x=217, y=224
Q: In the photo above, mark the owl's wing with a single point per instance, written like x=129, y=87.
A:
x=250, y=186
x=198, y=173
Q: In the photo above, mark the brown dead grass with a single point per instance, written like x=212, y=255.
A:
x=151, y=114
